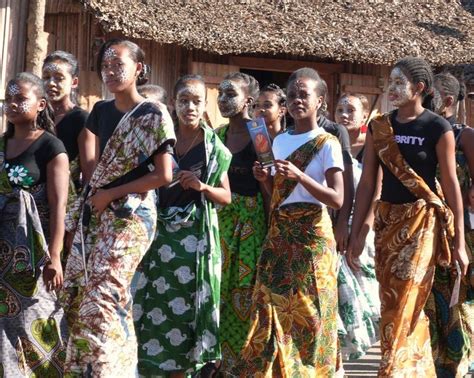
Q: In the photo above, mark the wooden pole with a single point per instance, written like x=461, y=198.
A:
x=37, y=38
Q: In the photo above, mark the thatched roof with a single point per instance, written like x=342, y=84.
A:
x=365, y=31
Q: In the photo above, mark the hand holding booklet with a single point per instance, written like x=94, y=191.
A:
x=195, y=169
x=175, y=168
x=261, y=141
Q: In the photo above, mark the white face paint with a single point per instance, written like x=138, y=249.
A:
x=190, y=103
x=24, y=107
x=51, y=67
x=113, y=67
x=109, y=54
x=302, y=99
x=57, y=80
x=20, y=99
x=231, y=99
x=350, y=113
x=13, y=89
x=399, y=88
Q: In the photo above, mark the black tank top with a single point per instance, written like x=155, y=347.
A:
x=240, y=173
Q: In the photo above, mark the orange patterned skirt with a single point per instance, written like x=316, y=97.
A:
x=406, y=243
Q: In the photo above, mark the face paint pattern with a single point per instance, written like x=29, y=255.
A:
x=51, y=67
x=120, y=73
x=24, y=107
x=13, y=89
x=399, y=88
x=349, y=112
x=438, y=102
x=57, y=86
x=185, y=101
x=230, y=106
x=109, y=53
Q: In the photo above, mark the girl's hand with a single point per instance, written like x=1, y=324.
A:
x=341, y=234
x=354, y=250
x=460, y=255
x=260, y=173
x=53, y=274
x=189, y=180
x=287, y=170
x=100, y=200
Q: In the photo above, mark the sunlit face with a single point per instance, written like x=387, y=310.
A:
x=58, y=81
x=400, y=89
x=190, y=103
x=22, y=103
x=118, y=70
x=267, y=106
x=302, y=98
x=232, y=98
x=350, y=113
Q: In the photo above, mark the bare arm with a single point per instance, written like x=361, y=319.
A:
x=342, y=224
x=57, y=173
x=331, y=195
x=88, y=153
x=264, y=177
x=445, y=150
x=265, y=181
x=367, y=190
x=160, y=176
x=218, y=194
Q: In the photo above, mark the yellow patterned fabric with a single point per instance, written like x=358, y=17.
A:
x=410, y=240
x=293, y=330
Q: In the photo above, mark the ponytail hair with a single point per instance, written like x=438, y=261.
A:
x=45, y=118
x=417, y=71
x=450, y=86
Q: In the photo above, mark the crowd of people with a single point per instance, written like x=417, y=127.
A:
x=139, y=241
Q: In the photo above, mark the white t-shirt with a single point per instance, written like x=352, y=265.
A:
x=330, y=156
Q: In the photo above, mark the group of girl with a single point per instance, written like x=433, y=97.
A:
x=232, y=267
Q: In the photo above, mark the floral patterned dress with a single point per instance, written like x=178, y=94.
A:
x=242, y=228
x=358, y=298
x=293, y=331
x=32, y=324
x=176, y=304
x=107, y=251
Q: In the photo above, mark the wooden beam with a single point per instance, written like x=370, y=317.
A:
x=361, y=89
x=280, y=65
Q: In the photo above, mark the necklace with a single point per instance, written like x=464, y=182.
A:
x=179, y=158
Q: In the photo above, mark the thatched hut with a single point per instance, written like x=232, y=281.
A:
x=352, y=43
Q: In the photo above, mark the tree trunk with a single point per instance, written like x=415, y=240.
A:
x=37, y=39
